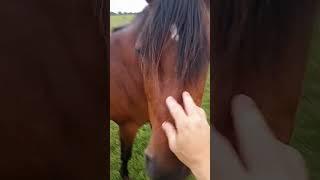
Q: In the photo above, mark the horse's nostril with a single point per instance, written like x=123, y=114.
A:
x=148, y=159
x=149, y=165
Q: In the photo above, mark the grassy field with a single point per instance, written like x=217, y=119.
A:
x=307, y=133
x=119, y=20
x=136, y=164
x=306, y=136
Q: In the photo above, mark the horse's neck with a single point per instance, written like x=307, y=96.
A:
x=126, y=81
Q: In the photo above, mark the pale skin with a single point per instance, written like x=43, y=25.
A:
x=191, y=124
x=263, y=156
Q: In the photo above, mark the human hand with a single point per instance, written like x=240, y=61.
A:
x=190, y=140
x=263, y=156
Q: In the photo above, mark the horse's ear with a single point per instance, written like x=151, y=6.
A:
x=149, y=1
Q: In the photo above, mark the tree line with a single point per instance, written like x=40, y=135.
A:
x=122, y=13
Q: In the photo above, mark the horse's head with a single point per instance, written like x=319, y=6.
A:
x=173, y=50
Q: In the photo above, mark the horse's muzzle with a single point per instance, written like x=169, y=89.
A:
x=156, y=173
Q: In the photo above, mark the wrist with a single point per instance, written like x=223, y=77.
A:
x=201, y=170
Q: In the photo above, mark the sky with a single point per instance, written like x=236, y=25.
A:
x=127, y=5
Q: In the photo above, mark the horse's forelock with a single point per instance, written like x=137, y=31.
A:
x=187, y=17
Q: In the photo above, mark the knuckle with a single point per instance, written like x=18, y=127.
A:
x=186, y=125
x=174, y=110
x=197, y=118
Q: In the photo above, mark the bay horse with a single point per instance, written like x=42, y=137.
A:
x=260, y=48
x=164, y=51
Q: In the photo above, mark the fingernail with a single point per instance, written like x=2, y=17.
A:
x=243, y=99
x=163, y=124
x=170, y=101
x=186, y=93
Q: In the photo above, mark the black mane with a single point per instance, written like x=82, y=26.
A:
x=247, y=28
x=193, y=45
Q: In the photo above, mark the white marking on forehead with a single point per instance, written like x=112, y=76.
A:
x=174, y=32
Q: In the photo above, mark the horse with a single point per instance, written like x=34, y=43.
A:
x=260, y=48
x=161, y=53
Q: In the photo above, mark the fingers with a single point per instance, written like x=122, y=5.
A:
x=190, y=109
x=255, y=138
x=189, y=105
x=176, y=111
x=202, y=113
x=171, y=135
x=224, y=158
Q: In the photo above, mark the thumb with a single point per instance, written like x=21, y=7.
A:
x=171, y=135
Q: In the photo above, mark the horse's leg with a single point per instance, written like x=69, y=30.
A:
x=127, y=135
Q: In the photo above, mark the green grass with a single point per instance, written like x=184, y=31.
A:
x=119, y=20
x=136, y=164
x=307, y=132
